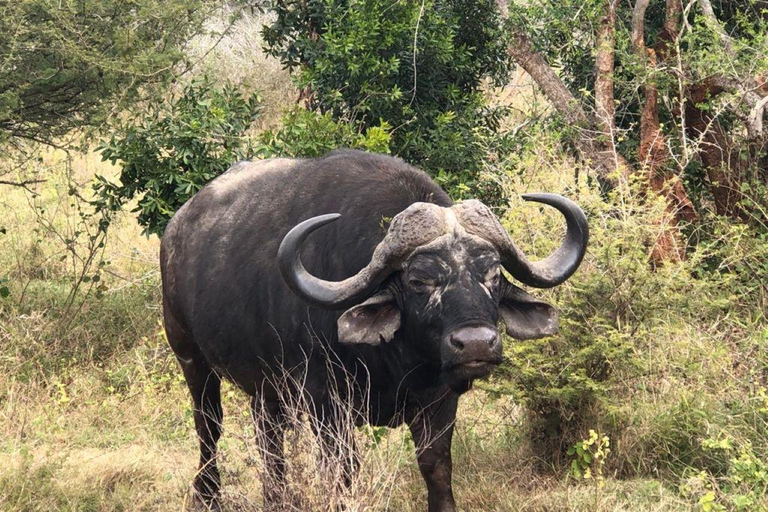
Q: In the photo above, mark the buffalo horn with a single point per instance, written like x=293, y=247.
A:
x=316, y=291
x=558, y=266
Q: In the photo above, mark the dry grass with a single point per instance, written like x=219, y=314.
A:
x=137, y=451
x=97, y=417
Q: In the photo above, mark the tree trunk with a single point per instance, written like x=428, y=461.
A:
x=715, y=150
x=653, y=153
x=605, y=107
x=610, y=165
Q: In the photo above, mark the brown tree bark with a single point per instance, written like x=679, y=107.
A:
x=595, y=141
x=717, y=158
x=606, y=161
x=753, y=92
x=721, y=155
x=653, y=153
x=605, y=107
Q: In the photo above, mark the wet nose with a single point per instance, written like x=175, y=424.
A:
x=474, y=338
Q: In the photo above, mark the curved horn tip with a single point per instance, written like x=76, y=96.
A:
x=545, y=197
x=321, y=220
x=300, y=231
x=315, y=291
x=572, y=210
x=560, y=265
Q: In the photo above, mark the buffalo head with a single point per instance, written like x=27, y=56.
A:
x=436, y=276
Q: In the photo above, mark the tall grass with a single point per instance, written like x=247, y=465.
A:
x=96, y=417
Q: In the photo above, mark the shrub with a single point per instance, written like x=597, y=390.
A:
x=419, y=67
x=654, y=357
x=176, y=147
x=309, y=134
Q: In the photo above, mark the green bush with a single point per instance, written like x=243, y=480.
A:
x=418, y=67
x=654, y=357
x=175, y=148
x=309, y=134
x=70, y=65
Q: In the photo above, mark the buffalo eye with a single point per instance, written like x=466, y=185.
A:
x=492, y=278
x=420, y=285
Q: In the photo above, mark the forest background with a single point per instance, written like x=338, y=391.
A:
x=650, y=114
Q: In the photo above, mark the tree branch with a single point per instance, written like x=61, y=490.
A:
x=638, y=26
x=23, y=184
x=535, y=65
x=607, y=162
x=653, y=153
x=709, y=13
x=755, y=119
x=756, y=103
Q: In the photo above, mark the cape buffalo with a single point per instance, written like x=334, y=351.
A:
x=277, y=264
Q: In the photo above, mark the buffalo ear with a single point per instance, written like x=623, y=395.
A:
x=375, y=320
x=524, y=317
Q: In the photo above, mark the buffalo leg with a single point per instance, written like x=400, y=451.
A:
x=432, y=431
x=205, y=386
x=270, y=429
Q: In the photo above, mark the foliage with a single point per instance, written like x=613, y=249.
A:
x=175, y=149
x=309, y=134
x=182, y=144
x=589, y=457
x=643, y=351
x=704, y=126
x=742, y=487
x=71, y=64
x=418, y=67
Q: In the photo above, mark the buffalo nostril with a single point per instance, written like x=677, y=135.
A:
x=474, y=336
x=457, y=342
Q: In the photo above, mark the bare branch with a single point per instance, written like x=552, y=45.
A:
x=709, y=13
x=23, y=184
x=638, y=25
x=755, y=119
x=535, y=65
x=757, y=104
x=606, y=160
x=672, y=19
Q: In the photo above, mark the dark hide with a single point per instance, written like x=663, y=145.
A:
x=412, y=345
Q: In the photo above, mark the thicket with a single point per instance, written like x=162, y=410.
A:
x=174, y=149
x=70, y=65
x=419, y=67
x=653, y=122
x=667, y=361
x=402, y=78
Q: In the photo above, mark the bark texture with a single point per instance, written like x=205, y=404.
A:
x=605, y=108
x=606, y=161
x=654, y=155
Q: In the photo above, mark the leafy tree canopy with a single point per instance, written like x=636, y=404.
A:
x=174, y=149
x=417, y=66
x=68, y=64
